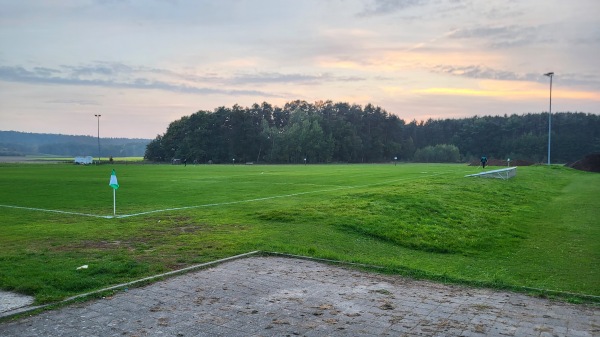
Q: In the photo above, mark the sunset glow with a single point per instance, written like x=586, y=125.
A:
x=143, y=64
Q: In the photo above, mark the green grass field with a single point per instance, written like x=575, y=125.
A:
x=539, y=230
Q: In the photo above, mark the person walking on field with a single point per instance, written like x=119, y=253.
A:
x=483, y=161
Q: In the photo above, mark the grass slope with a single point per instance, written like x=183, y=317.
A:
x=538, y=230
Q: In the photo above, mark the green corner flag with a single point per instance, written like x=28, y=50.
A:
x=113, y=180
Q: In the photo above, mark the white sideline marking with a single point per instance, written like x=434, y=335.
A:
x=57, y=211
x=269, y=198
x=222, y=203
x=229, y=202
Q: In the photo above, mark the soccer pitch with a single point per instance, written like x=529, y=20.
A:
x=537, y=230
x=163, y=188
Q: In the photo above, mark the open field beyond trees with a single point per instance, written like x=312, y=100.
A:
x=540, y=229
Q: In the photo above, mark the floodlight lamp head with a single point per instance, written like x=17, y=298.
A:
x=550, y=74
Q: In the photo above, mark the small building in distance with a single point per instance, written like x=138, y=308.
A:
x=84, y=160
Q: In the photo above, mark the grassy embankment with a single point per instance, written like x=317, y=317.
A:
x=540, y=229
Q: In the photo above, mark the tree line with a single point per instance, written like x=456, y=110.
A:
x=14, y=143
x=325, y=132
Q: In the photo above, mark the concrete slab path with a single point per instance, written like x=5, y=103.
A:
x=277, y=296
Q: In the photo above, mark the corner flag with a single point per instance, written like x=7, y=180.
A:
x=113, y=180
x=114, y=184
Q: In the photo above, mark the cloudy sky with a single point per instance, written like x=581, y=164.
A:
x=142, y=64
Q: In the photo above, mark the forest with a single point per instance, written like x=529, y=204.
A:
x=14, y=143
x=327, y=132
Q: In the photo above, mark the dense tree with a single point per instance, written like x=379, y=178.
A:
x=340, y=132
x=517, y=136
x=441, y=153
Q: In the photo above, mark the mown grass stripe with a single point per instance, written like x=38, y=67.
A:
x=218, y=204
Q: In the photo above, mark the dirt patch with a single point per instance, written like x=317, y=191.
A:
x=95, y=245
x=590, y=163
x=179, y=229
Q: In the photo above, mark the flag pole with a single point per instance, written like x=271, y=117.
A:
x=114, y=202
x=114, y=184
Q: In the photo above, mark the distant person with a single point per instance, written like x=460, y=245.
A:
x=184, y=162
x=483, y=161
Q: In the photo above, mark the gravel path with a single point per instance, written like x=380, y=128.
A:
x=277, y=296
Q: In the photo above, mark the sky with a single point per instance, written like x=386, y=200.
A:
x=142, y=64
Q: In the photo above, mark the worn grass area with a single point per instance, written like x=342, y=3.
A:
x=539, y=230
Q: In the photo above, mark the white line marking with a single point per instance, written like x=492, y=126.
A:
x=223, y=203
x=57, y=211
x=272, y=197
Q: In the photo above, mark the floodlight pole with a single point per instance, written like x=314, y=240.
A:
x=98, y=116
x=550, y=74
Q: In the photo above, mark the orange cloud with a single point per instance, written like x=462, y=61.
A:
x=511, y=90
x=409, y=59
x=340, y=64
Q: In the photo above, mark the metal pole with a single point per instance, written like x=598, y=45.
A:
x=549, y=115
x=98, y=116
